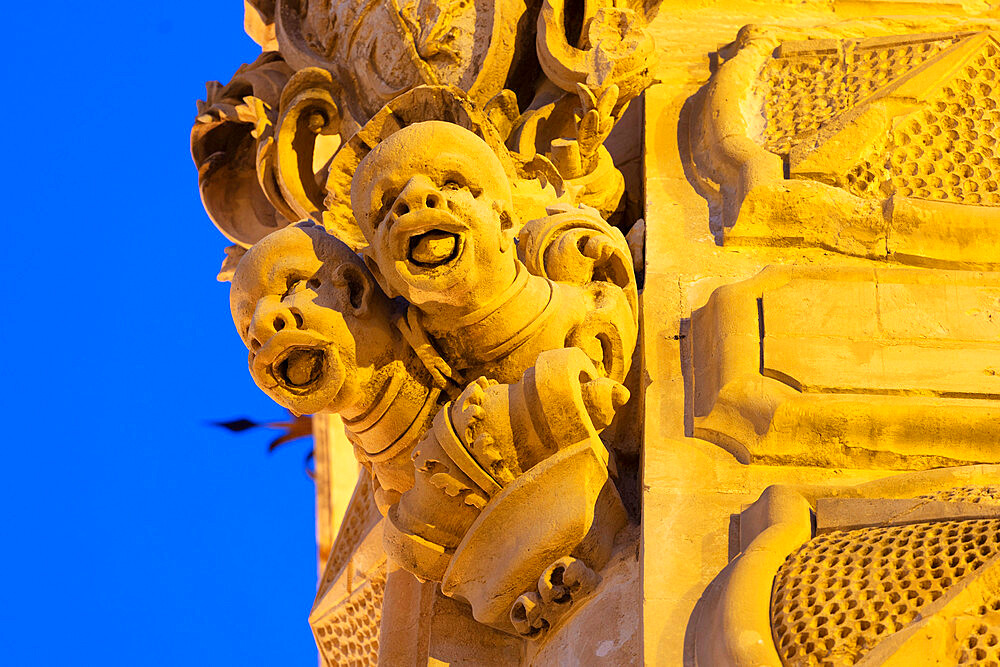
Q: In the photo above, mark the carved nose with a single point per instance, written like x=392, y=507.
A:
x=419, y=193
x=269, y=319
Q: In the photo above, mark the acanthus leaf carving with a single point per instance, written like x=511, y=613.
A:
x=224, y=149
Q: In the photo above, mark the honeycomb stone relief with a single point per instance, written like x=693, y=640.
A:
x=360, y=516
x=981, y=644
x=884, y=147
x=349, y=634
x=842, y=593
x=989, y=494
x=803, y=89
x=946, y=151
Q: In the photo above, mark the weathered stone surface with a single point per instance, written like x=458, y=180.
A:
x=448, y=219
x=883, y=368
x=443, y=271
x=852, y=513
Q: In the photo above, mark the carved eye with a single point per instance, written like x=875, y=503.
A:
x=453, y=182
x=313, y=284
x=292, y=285
x=388, y=199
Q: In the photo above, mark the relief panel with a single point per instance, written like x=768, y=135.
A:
x=881, y=147
x=919, y=588
x=894, y=368
x=346, y=615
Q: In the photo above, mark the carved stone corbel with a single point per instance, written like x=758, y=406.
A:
x=439, y=212
x=224, y=148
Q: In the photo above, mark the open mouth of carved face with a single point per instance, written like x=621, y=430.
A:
x=433, y=248
x=428, y=239
x=299, y=369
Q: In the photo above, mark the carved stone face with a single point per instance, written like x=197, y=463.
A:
x=434, y=203
x=311, y=316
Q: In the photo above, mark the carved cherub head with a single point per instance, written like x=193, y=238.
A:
x=434, y=203
x=312, y=317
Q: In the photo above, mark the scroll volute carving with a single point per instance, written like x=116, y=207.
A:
x=615, y=47
x=304, y=139
x=263, y=144
x=224, y=148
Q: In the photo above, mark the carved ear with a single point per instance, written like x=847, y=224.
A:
x=506, y=226
x=376, y=272
x=359, y=289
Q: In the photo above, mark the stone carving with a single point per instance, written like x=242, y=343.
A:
x=879, y=147
x=459, y=148
x=347, y=612
x=441, y=235
x=563, y=582
x=224, y=147
x=897, y=571
x=317, y=327
x=474, y=374
x=774, y=383
x=351, y=62
x=455, y=524
x=426, y=204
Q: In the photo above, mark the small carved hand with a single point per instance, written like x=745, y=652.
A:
x=442, y=374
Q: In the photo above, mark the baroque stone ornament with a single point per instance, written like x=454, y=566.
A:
x=771, y=385
x=423, y=214
x=551, y=97
x=894, y=131
x=630, y=336
x=896, y=571
x=324, y=335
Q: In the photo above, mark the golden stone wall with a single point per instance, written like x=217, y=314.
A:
x=661, y=333
x=812, y=252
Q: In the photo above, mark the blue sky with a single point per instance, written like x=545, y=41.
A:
x=133, y=533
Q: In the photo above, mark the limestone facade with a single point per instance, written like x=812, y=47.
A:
x=635, y=332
